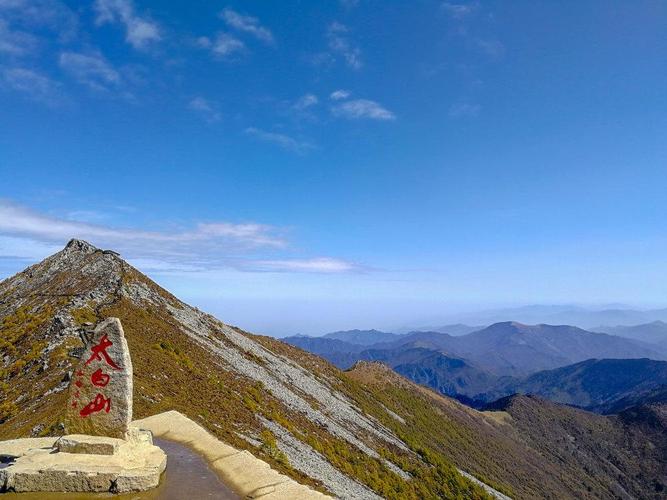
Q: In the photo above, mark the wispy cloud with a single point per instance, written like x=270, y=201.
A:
x=16, y=42
x=282, y=140
x=27, y=234
x=51, y=15
x=339, y=43
x=90, y=69
x=460, y=10
x=464, y=110
x=140, y=32
x=33, y=84
x=205, y=108
x=362, y=108
x=23, y=249
x=19, y=221
x=247, y=24
x=317, y=265
x=338, y=95
x=492, y=48
x=224, y=45
x=305, y=101
x=461, y=14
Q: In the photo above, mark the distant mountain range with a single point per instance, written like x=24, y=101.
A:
x=507, y=348
x=560, y=363
x=363, y=337
x=582, y=317
x=652, y=333
x=512, y=348
x=453, y=330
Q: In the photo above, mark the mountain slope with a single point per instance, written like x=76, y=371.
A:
x=654, y=396
x=352, y=434
x=652, y=333
x=594, y=384
x=341, y=354
x=563, y=452
x=238, y=387
x=595, y=446
x=448, y=375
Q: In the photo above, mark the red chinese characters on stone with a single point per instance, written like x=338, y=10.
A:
x=99, y=379
x=100, y=353
x=98, y=404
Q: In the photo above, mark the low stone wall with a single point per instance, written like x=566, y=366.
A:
x=247, y=475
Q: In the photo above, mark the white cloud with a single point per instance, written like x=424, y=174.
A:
x=25, y=249
x=52, y=15
x=306, y=101
x=282, y=140
x=225, y=45
x=14, y=42
x=464, y=109
x=29, y=235
x=340, y=44
x=35, y=85
x=492, y=48
x=316, y=265
x=458, y=10
x=338, y=95
x=139, y=31
x=247, y=24
x=362, y=108
x=205, y=108
x=20, y=221
x=203, y=242
x=90, y=69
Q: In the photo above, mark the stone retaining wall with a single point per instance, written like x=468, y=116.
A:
x=247, y=475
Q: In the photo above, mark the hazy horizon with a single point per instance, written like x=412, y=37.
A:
x=280, y=317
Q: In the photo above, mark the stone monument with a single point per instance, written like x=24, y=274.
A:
x=100, y=402
x=102, y=451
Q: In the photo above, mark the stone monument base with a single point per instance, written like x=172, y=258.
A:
x=79, y=463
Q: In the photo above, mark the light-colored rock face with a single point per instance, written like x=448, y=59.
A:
x=100, y=395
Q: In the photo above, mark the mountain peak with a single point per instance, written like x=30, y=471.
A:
x=506, y=325
x=75, y=245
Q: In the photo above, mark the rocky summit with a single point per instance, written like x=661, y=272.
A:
x=363, y=433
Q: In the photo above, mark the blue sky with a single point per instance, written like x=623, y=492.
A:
x=307, y=166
